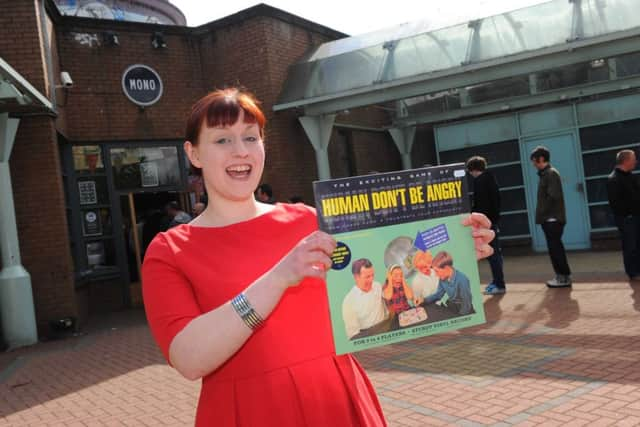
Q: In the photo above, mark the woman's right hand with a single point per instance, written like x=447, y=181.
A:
x=311, y=257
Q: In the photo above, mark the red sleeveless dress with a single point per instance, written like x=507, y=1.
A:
x=286, y=373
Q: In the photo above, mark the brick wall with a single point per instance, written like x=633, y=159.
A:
x=98, y=109
x=36, y=175
x=20, y=43
x=291, y=163
x=41, y=218
x=256, y=53
x=238, y=55
x=251, y=49
x=372, y=151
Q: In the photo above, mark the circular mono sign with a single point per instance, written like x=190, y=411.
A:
x=142, y=85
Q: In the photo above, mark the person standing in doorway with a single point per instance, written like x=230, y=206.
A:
x=198, y=208
x=623, y=189
x=264, y=194
x=551, y=215
x=176, y=215
x=486, y=200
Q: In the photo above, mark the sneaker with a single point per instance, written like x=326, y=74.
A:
x=494, y=289
x=559, y=282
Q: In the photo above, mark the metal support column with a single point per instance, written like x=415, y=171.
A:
x=17, y=313
x=318, y=130
x=404, y=137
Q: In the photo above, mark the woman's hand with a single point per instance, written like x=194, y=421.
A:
x=481, y=232
x=311, y=257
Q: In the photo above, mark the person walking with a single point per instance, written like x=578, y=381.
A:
x=623, y=191
x=486, y=200
x=551, y=215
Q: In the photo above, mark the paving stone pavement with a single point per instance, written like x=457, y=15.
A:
x=546, y=357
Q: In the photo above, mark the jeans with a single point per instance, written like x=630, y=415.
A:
x=629, y=227
x=553, y=233
x=495, y=260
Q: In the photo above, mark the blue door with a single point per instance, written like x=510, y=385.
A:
x=565, y=158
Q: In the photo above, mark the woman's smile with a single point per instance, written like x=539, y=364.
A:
x=242, y=172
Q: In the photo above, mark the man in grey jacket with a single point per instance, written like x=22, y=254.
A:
x=550, y=214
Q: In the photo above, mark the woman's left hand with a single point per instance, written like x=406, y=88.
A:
x=481, y=232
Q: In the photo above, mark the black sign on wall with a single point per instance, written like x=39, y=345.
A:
x=91, y=225
x=142, y=85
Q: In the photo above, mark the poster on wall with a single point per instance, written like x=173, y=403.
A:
x=91, y=225
x=405, y=266
x=87, y=192
x=149, y=174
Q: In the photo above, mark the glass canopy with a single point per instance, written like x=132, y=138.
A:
x=388, y=56
x=17, y=95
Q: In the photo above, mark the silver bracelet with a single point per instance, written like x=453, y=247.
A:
x=246, y=312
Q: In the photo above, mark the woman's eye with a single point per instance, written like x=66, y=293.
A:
x=251, y=139
x=221, y=141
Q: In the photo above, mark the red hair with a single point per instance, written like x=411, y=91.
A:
x=222, y=108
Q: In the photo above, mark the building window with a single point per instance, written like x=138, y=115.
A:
x=434, y=103
x=140, y=168
x=599, y=147
x=504, y=162
x=513, y=199
x=572, y=75
x=500, y=89
x=87, y=160
x=90, y=214
x=101, y=255
x=514, y=225
x=628, y=65
x=499, y=152
x=597, y=190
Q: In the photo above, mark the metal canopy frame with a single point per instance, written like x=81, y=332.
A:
x=470, y=74
x=590, y=34
x=368, y=70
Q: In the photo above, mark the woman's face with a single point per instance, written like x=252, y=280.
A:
x=231, y=159
x=396, y=277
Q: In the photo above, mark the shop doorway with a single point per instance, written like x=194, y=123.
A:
x=564, y=157
x=143, y=216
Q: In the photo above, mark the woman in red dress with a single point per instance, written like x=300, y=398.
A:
x=237, y=297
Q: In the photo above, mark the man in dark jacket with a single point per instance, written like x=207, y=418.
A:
x=486, y=200
x=551, y=215
x=623, y=189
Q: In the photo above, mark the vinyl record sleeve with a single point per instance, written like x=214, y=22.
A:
x=402, y=255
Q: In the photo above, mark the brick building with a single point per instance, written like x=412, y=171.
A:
x=76, y=169
x=107, y=154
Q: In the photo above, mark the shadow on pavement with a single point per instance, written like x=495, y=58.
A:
x=115, y=358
